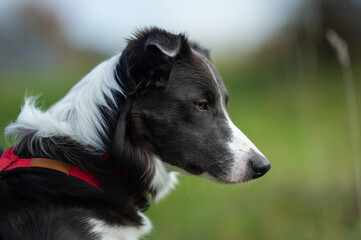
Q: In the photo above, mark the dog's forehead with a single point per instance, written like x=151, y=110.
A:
x=198, y=71
x=216, y=77
x=213, y=75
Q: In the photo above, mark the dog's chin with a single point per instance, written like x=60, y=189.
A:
x=227, y=180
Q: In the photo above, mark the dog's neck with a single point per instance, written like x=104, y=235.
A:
x=80, y=126
x=83, y=108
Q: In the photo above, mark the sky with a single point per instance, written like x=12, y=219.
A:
x=104, y=25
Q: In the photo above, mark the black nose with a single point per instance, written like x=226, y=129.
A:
x=260, y=165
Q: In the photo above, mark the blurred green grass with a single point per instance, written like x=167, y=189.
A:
x=297, y=119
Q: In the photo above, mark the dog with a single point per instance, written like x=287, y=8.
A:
x=86, y=167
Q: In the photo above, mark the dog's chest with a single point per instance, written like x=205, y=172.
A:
x=106, y=231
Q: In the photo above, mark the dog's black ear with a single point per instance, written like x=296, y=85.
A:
x=132, y=150
x=149, y=57
x=163, y=42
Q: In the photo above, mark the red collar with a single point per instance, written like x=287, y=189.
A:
x=9, y=162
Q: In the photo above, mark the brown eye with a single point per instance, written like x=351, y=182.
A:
x=202, y=105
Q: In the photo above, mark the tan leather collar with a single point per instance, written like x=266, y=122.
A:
x=51, y=164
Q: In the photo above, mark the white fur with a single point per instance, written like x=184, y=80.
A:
x=77, y=115
x=163, y=180
x=170, y=53
x=118, y=232
x=242, y=149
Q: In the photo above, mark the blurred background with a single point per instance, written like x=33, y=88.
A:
x=287, y=91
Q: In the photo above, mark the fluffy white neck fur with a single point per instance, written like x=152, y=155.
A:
x=78, y=117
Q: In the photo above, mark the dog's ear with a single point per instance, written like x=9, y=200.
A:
x=164, y=43
x=132, y=150
x=150, y=55
x=205, y=52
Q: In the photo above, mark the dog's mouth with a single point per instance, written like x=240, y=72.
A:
x=244, y=171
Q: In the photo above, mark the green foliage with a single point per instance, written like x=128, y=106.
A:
x=298, y=120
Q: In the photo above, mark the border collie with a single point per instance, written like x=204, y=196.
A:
x=157, y=108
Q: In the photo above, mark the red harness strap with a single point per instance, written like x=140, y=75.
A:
x=10, y=161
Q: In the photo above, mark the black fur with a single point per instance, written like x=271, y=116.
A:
x=164, y=77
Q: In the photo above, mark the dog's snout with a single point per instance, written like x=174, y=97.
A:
x=260, y=165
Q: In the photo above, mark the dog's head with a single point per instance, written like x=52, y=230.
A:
x=178, y=111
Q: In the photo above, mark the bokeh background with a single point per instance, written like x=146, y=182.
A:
x=287, y=94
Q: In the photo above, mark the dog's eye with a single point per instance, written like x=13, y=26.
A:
x=201, y=105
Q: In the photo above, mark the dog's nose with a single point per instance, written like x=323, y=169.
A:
x=260, y=165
